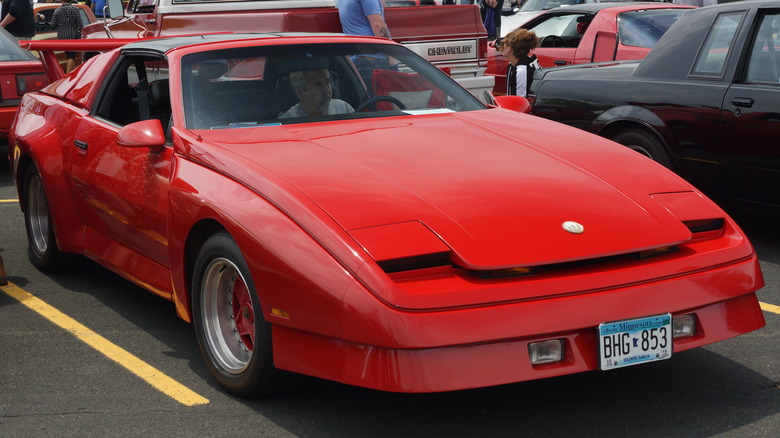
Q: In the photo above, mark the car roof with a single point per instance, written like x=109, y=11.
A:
x=166, y=44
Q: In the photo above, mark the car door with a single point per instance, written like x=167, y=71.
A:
x=750, y=148
x=691, y=108
x=124, y=190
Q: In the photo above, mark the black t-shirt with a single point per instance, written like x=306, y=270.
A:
x=22, y=11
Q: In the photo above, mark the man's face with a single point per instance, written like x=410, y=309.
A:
x=316, y=97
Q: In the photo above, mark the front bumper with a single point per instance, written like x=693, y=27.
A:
x=722, y=300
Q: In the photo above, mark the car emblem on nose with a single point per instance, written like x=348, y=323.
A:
x=573, y=227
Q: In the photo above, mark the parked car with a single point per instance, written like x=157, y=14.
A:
x=514, y=17
x=704, y=102
x=20, y=72
x=592, y=33
x=529, y=9
x=423, y=242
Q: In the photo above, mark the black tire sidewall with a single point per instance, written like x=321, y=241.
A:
x=646, y=141
x=257, y=378
x=52, y=258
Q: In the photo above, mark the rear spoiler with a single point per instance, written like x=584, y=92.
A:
x=46, y=48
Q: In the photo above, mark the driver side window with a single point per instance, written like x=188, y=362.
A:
x=562, y=26
x=138, y=90
x=143, y=6
x=764, y=62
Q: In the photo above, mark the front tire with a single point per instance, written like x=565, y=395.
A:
x=234, y=339
x=646, y=144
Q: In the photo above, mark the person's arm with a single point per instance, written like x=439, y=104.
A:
x=378, y=25
x=7, y=20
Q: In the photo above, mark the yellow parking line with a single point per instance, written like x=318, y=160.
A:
x=151, y=375
x=770, y=308
x=9, y=200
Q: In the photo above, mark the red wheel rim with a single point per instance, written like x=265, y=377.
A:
x=243, y=314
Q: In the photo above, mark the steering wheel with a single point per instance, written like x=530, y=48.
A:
x=375, y=99
x=207, y=119
x=554, y=39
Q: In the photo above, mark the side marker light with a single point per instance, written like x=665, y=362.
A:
x=280, y=313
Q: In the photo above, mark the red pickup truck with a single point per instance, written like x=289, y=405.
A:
x=593, y=32
x=451, y=37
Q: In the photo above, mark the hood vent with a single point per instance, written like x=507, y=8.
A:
x=558, y=267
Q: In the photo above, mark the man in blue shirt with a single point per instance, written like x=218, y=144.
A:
x=367, y=18
x=363, y=17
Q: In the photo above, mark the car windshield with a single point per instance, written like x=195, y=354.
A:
x=644, y=28
x=10, y=50
x=560, y=25
x=285, y=84
x=538, y=5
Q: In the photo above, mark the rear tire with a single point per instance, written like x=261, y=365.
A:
x=42, y=247
x=646, y=144
x=234, y=339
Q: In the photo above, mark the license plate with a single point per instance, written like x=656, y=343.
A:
x=635, y=341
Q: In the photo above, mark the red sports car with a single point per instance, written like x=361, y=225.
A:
x=20, y=72
x=399, y=235
x=595, y=32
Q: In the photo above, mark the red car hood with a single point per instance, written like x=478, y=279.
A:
x=494, y=186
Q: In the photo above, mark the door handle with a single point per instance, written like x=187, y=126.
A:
x=742, y=102
x=560, y=62
x=81, y=144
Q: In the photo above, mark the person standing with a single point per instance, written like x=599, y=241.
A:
x=97, y=8
x=67, y=21
x=363, y=17
x=18, y=18
x=516, y=46
x=491, y=17
x=490, y=10
x=367, y=18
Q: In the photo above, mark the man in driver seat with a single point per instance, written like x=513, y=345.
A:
x=315, y=95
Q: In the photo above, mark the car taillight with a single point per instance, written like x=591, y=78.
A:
x=483, y=48
x=29, y=82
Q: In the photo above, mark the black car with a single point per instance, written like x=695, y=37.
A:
x=704, y=102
